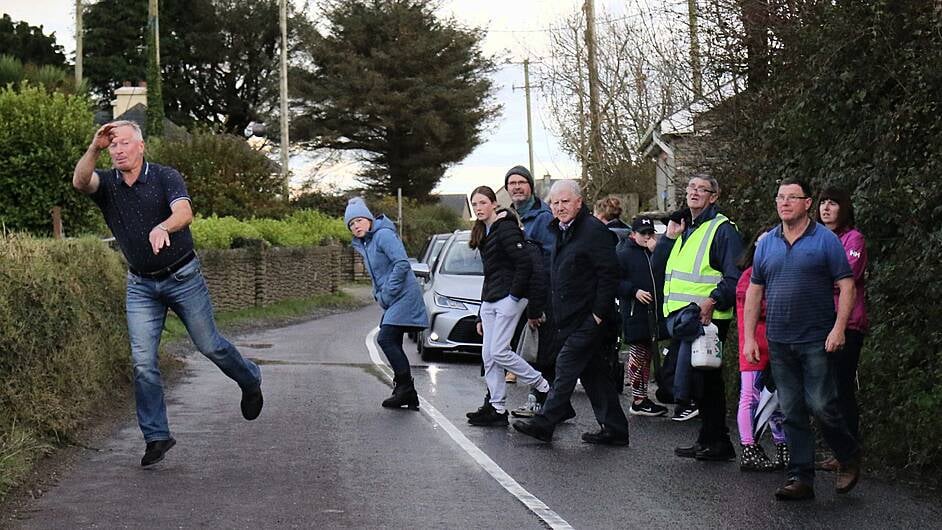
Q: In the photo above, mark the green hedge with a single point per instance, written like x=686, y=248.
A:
x=42, y=136
x=853, y=100
x=63, y=341
x=301, y=229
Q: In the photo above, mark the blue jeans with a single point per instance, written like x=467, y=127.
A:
x=802, y=374
x=147, y=302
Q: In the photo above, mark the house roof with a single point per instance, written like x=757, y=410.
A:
x=456, y=202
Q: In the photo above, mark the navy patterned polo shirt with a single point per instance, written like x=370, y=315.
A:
x=131, y=212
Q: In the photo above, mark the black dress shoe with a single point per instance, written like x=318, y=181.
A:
x=794, y=490
x=537, y=428
x=720, y=452
x=688, y=451
x=491, y=418
x=605, y=437
x=154, y=451
x=251, y=403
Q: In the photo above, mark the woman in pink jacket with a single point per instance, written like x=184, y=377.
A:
x=837, y=213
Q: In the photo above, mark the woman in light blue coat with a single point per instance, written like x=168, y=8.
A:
x=396, y=290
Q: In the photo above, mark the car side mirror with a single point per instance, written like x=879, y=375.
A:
x=421, y=270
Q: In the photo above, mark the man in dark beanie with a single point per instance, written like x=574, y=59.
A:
x=536, y=218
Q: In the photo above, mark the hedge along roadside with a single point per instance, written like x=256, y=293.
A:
x=63, y=342
x=305, y=228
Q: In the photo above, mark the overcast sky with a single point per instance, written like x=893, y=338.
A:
x=516, y=28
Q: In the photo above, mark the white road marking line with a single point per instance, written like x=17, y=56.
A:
x=535, y=505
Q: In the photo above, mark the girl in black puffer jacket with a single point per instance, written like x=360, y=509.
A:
x=507, y=271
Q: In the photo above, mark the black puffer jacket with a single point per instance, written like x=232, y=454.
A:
x=506, y=262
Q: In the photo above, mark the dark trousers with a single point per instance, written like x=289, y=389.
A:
x=806, y=387
x=582, y=357
x=390, y=341
x=710, y=393
x=844, y=369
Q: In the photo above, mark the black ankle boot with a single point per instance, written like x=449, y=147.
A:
x=403, y=393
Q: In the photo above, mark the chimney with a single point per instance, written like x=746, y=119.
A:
x=127, y=96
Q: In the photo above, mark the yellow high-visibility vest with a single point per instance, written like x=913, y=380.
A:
x=689, y=276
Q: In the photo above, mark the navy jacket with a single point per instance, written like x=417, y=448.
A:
x=640, y=322
x=536, y=227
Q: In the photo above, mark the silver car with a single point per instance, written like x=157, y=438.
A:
x=452, y=296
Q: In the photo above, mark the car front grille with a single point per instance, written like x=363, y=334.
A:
x=465, y=331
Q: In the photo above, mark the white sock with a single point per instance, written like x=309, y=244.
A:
x=543, y=386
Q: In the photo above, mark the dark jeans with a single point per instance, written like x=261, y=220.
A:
x=710, y=394
x=844, y=368
x=390, y=341
x=805, y=385
x=581, y=357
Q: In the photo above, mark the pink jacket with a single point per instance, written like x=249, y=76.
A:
x=761, y=341
x=856, y=249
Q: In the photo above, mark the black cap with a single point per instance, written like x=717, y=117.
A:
x=523, y=172
x=643, y=225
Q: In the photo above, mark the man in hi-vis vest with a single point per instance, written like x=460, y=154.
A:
x=699, y=252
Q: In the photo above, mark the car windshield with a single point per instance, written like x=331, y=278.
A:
x=460, y=259
x=436, y=249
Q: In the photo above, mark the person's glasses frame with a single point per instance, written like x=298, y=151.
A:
x=700, y=190
x=790, y=198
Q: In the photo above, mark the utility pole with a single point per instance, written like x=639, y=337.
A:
x=78, y=43
x=695, y=49
x=595, y=135
x=155, y=100
x=526, y=90
x=583, y=151
x=284, y=97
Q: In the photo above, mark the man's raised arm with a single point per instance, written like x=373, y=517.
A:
x=84, y=177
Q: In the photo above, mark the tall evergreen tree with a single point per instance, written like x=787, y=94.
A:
x=29, y=44
x=218, y=57
x=407, y=91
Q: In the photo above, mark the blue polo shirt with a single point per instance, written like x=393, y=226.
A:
x=131, y=212
x=799, y=283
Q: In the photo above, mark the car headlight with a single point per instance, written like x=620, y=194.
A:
x=444, y=301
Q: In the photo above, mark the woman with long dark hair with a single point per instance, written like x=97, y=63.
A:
x=396, y=291
x=836, y=211
x=507, y=267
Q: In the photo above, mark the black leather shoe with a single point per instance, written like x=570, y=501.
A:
x=688, y=451
x=605, y=437
x=537, y=428
x=251, y=403
x=491, y=418
x=570, y=414
x=154, y=451
x=794, y=490
x=719, y=452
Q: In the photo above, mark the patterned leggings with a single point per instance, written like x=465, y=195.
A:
x=638, y=369
x=749, y=394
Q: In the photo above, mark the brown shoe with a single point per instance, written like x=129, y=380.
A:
x=847, y=476
x=794, y=490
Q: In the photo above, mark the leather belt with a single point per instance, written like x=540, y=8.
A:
x=166, y=271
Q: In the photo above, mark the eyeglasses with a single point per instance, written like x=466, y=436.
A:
x=789, y=198
x=699, y=189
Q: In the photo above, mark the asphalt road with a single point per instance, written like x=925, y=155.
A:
x=324, y=454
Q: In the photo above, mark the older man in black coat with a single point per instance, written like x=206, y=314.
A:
x=583, y=278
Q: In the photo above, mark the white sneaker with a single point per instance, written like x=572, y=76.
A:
x=532, y=408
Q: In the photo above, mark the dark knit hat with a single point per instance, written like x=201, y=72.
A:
x=523, y=172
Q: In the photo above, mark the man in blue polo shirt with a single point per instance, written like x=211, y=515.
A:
x=796, y=267
x=147, y=208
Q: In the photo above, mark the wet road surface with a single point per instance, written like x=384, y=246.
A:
x=324, y=454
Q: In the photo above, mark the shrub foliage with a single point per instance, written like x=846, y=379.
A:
x=63, y=339
x=42, y=136
x=852, y=99
x=300, y=229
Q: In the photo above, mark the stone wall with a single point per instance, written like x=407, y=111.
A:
x=249, y=277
